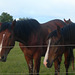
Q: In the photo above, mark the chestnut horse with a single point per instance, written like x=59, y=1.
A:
x=32, y=35
x=60, y=39
x=47, y=28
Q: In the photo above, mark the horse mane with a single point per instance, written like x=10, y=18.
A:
x=53, y=33
x=5, y=25
x=62, y=30
x=23, y=29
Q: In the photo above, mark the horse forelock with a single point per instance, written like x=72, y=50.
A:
x=54, y=33
x=5, y=25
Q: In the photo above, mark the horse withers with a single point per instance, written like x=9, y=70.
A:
x=60, y=39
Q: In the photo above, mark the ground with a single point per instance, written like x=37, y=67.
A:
x=16, y=64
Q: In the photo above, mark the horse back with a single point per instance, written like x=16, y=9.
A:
x=52, y=25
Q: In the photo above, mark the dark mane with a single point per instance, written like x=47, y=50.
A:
x=65, y=31
x=23, y=29
x=4, y=26
x=68, y=31
x=53, y=33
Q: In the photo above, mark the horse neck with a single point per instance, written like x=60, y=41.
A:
x=24, y=29
x=32, y=39
x=19, y=40
x=65, y=33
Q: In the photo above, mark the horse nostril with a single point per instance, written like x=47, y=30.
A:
x=48, y=64
x=47, y=61
x=2, y=57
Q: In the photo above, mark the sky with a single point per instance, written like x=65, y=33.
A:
x=41, y=10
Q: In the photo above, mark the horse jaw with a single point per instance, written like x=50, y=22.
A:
x=46, y=55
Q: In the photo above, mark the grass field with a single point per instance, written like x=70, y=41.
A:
x=16, y=65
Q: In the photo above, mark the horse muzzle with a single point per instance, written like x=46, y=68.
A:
x=3, y=58
x=48, y=64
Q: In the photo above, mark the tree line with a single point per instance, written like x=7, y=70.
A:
x=5, y=17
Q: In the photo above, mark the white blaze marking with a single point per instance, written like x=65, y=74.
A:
x=46, y=55
x=1, y=43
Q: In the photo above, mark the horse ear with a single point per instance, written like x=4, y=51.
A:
x=69, y=19
x=13, y=24
x=64, y=20
x=58, y=32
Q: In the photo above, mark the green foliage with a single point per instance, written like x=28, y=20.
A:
x=5, y=17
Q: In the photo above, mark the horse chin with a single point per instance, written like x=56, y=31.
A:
x=4, y=60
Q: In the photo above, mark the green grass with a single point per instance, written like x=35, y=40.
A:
x=16, y=64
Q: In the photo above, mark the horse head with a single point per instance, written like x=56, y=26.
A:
x=54, y=47
x=7, y=40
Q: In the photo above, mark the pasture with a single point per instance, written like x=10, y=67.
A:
x=16, y=65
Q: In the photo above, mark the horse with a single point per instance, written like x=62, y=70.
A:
x=59, y=40
x=69, y=22
x=27, y=53
x=29, y=33
x=47, y=28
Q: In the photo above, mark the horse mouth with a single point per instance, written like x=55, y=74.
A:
x=49, y=65
x=3, y=59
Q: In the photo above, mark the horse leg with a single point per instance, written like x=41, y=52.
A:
x=29, y=61
x=66, y=61
x=37, y=59
x=73, y=63
x=57, y=65
x=28, y=57
x=72, y=58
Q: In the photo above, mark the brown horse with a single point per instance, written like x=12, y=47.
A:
x=31, y=54
x=60, y=40
x=69, y=22
x=31, y=34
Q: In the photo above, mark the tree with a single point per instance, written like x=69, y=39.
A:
x=5, y=17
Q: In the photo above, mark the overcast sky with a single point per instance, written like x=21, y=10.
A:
x=42, y=10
